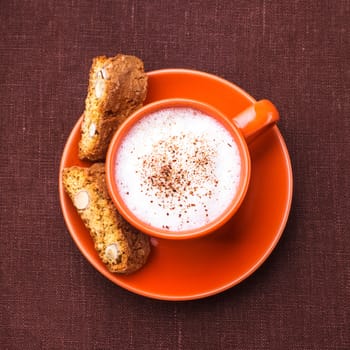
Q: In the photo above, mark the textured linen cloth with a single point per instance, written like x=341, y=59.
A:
x=295, y=53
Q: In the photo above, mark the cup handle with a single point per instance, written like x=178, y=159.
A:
x=254, y=120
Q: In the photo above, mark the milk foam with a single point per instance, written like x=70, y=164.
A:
x=178, y=169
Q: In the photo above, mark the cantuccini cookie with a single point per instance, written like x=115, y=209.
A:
x=120, y=246
x=117, y=87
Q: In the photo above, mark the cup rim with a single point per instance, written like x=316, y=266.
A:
x=225, y=216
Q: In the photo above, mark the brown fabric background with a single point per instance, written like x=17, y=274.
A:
x=295, y=53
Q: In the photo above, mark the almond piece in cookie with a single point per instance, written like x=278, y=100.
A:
x=81, y=200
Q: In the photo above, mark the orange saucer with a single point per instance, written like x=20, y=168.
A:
x=193, y=269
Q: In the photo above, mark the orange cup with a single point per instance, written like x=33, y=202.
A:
x=242, y=128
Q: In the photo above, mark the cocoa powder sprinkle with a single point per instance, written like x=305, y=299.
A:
x=173, y=174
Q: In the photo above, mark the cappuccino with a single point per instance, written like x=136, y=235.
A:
x=178, y=169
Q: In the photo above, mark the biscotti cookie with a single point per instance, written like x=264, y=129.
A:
x=120, y=246
x=117, y=87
